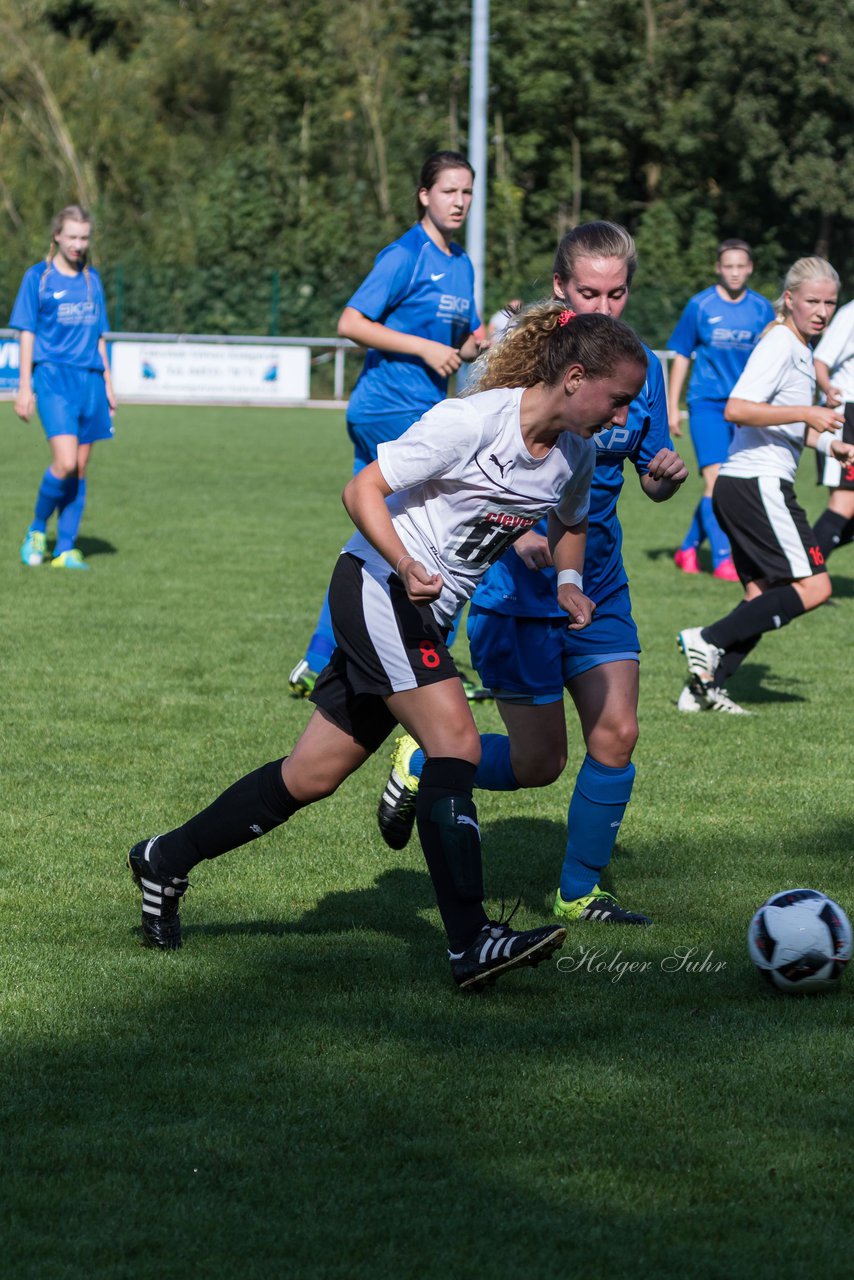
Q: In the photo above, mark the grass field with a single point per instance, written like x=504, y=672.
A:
x=300, y=1091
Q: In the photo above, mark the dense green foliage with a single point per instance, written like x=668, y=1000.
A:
x=300, y=1092
x=245, y=161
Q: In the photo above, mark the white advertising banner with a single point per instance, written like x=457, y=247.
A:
x=211, y=373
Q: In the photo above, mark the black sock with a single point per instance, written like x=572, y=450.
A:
x=830, y=530
x=752, y=618
x=249, y=808
x=732, y=660
x=447, y=826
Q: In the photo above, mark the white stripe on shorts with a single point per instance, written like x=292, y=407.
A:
x=381, y=622
x=784, y=527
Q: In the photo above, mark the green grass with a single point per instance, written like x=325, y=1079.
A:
x=300, y=1091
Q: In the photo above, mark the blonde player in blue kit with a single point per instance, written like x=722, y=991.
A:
x=415, y=313
x=520, y=643
x=720, y=327
x=62, y=316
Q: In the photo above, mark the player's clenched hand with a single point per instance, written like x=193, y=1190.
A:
x=842, y=452
x=533, y=550
x=833, y=399
x=441, y=359
x=822, y=419
x=575, y=603
x=25, y=405
x=421, y=586
x=667, y=465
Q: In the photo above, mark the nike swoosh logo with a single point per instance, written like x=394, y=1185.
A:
x=440, y=276
x=715, y=319
x=61, y=293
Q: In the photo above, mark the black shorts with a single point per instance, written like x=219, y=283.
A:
x=770, y=535
x=386, y=644
x=831, y=472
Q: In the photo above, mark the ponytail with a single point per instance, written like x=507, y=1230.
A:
x=546, y=339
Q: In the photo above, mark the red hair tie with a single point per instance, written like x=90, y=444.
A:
x=565, y=317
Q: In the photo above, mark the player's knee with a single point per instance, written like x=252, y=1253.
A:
x=816, y=591
x=539, y=768
x=614, y=744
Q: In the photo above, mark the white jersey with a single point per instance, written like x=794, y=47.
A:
x=836, y=350
x=780, y=371
x=465, y=487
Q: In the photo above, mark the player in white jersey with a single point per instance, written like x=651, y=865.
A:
x=432, y=512
x=774, y=549
x=834, y=370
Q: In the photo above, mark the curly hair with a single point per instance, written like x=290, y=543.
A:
x=546, y=339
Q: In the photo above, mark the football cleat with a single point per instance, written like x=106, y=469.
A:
x=726, y=571
x=703, y=657
x=686, y=560
x=161, y=923
x=302, y=679
x=72, y=559
x=719, y=700
x=693, y=696
x=599, y=906
x=498, y=948
x=396, y=812
x=33, y=548
x=475, y=692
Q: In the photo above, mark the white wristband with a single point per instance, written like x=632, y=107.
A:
x=569, y=576
x=824, y=441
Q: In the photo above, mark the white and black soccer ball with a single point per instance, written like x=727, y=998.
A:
x=800, y=941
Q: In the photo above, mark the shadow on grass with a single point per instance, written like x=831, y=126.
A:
x=332, y=1110
x=96, y=547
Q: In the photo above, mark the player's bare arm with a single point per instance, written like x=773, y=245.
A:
x=568, y=544
x=364, y=498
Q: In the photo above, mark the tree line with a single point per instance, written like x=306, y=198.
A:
x=245, y=162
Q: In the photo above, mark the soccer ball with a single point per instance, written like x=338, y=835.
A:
x=800, y=941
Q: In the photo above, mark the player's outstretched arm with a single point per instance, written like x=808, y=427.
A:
x=750, y=413
x=568, y=543
x=364, y=498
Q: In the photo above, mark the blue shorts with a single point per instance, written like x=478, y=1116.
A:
x=366, y=436
x=72, y=402
x=710, y=432
x=532, y=660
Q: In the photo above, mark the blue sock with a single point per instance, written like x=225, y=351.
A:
x=51, y=491
x=718, y=540
x=322, y=643
x=494, y=773
x=71, y=506
x=694, y=536
x=595, y=813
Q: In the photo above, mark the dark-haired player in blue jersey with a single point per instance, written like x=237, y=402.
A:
x=416, y=314
x=522, y=648
x=62, y=316
x=722, y=326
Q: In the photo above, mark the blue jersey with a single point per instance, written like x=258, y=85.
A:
x=510, y=587
x=723, y=334
x=67, y=314
x=413, y=288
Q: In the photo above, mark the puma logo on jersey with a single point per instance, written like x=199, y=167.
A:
x=434, y=276
x=61, y=293
x=502, y=466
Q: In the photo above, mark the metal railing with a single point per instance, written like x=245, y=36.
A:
x=334, y=349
